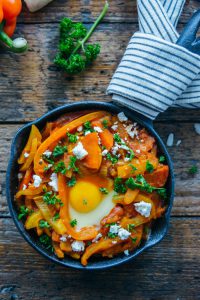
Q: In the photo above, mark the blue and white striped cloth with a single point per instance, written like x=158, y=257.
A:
x=154, y=72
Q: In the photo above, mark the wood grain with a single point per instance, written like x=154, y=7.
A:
x=169, y=270
x=87, y=10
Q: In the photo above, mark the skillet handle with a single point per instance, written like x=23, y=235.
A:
x=188, y=37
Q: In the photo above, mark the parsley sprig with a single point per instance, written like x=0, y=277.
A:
x=51, y=199
x=24, y=211
x=103, y=190
x=59, y=150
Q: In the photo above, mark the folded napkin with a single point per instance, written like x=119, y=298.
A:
x=154, y=72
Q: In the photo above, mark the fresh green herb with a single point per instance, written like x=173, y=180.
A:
x=44, y=224
x=146, y=230
x=72, y=182
x=87, y=127
x=131, y=155
x=72, y=137
x=85, y=202
x=72, y=164
x=193, y=170
x=24, y=211
x=141, y=184
x=56, y=217
x=73, y=223
x=59, y=150
x=112, y=235
x=161, y=159
x=89, y=243
x=133, y=239
x=113, y=159
x=110, y=224
x=103, y=148
x=133, y=168
x=105, y=123
x=103, y=190
x=119, y=186
x=149, y=167
x=117, y=138
x=47, y=159
x=47, y=167
x=60, y=168
x=74, y=56
x=130, y=227
x=51, y=199
x=46, y=241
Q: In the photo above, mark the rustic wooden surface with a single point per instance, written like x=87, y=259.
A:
x=29, y=86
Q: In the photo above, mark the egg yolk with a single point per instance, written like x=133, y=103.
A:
x=84, y=196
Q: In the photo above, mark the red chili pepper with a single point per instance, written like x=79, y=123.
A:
x=9, y=11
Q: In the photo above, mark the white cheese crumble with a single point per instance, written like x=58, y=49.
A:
x=123, y=234
x=54, y=182
x=24, y=187
x=99, y=235
x=63, y=238
x=104, y=152
x=114, y=229
x=114, y=127
x=37, y=180
x=124, y=147
x=122, y=118
x=47, y=153
x=126, y=252
x=97, y=129
x=114, y=242
x=126, y=159
x=87, y=132
x=143, y=208
x=26, y=154
x=131, y=133
x=170, y=140
x=80, y=128
x=78, y=246
x=137, y=151
x=79, y=151
x=20, y=176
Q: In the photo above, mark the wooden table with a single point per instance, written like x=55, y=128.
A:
x=30, y=85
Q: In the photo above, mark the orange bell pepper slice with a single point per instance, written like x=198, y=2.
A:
x=106, y=139
x=27, y=178
x=86, y=233
x=31, y=191
x=30, y=159
x=33, y=134
x=59, y=134
x=130, y=196
x=94, y=158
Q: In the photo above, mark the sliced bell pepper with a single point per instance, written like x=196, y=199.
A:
x=130, y=196
x=30, y=191
x=94, y=158
x=33, y=219
x=27, y=178
x=30, y=158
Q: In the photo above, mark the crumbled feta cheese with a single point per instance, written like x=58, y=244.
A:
x=126, y=252
x=37, y=180
x=123, y=234
x=78, y=246
x=114, y=229
x=124, y=147
x=170, y=140
x=80, y=128
x=99, y=235
x=26, y=154
x=121, y=116
x=126, y=158
x=79, y=151
x=97, y=129
x=131, y=133
x=54, y=182
x=114, y=242
x=87, y=132
x=20, y=176
x=63, y=238
x=115, y=123
x=115, y=149
x=143, y=208
x=47, y=153
x=197, y=128
x=178, y=143
x=24, y=187
x=137, y=151
x=114, y=127
x=104, y=152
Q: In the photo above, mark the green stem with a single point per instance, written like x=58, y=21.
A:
x=13, y=45
x=96, y=23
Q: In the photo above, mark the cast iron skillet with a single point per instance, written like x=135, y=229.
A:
x=160, y=226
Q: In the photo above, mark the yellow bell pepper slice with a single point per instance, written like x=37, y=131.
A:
x=33, y=220
x=30, y=159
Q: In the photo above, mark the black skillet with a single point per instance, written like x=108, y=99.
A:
x=160, y=226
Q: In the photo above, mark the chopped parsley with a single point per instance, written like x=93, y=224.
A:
x=119, y=186
x=130, y=227
x=72, y=182
x=131, y=155
x=85, y=202
x=117, y=138
x=161, y=159
x=59, y=150
x=47, y=167
x=87, y=127
x=46, y=241
x=73, y=223
x=47, y=159
x=193, y=170
x=44, y=224
x=133, y=168
x=113, y=159
x=149, y=167
x=105, y=123
x=51, y=199
x=103, y=190
x=112, y=235
x=24, y=211
x=72, y=164
x=56, y=217
x=72, y=137
x=133, y=239
x=60, y=168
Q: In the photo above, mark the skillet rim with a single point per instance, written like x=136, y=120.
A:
x=53, y=114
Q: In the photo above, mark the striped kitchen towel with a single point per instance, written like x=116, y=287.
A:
x=154, y=72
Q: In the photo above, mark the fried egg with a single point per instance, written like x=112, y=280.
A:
x=86, y=202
